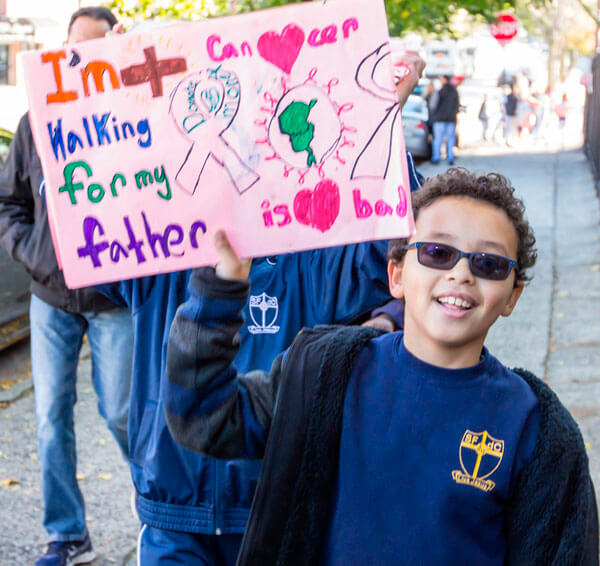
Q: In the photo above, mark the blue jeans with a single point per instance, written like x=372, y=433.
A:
x=443, y=131
x=159, y=547
x=56, y=338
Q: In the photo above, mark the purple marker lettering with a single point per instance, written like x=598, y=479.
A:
x=198, y=225
x=90, y=224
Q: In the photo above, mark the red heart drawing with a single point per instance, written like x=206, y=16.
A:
x=318, y=208
x=282, y=50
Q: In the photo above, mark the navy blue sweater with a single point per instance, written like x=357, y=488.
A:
x=428, y=459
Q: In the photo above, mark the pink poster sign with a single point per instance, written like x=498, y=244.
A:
x=281, y=127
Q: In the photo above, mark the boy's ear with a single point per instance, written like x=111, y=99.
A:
x=514, y=297
x=395, y=279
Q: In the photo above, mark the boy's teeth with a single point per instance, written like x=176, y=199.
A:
x=455, y=301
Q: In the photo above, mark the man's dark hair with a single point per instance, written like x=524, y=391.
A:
x=97, y=13
x=493, y=188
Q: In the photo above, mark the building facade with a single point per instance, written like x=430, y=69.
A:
x=26, y=25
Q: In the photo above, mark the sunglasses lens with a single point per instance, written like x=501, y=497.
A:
x=437, y=256
x=490, y=266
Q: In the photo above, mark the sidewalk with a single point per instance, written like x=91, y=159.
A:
x=103, y=477
x=554, y=332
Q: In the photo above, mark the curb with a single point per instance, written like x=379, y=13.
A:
x=130, y=558
x=16, y=391
x=22, y=387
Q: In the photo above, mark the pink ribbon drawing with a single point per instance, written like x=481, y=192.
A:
x=203, y=106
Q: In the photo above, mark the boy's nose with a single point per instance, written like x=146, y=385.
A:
x=461, y=272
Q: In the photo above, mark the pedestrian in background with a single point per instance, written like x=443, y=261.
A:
x=543, y=117
x=561, y=110
x=484, y=118
x=444, y=121
x=59, y=319
x=431, y=99
x=511, y=107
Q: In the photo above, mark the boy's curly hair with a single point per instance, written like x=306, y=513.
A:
x=493, y=188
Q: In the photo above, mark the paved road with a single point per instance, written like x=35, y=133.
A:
x=555, y=332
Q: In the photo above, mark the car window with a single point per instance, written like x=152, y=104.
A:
x=415, y=106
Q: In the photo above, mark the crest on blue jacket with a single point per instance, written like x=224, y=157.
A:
x=263, y=312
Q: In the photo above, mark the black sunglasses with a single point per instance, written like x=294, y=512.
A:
x=482, y=264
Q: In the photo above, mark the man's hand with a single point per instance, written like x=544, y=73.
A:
x=413, y=67
x=230, y=266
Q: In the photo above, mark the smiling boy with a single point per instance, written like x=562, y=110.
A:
x=404, y=448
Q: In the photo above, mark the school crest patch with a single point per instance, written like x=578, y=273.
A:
x=263, y=312
x=480, y=455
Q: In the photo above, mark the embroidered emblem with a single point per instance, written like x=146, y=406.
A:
x=481, y=453
x=263, y=311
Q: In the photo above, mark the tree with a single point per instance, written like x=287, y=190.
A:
x=565, y=26
x=433, y=16
x=129, y=11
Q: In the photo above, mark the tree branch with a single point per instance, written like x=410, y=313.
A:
x=589, y=12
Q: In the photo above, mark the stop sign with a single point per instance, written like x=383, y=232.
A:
x=505, y=28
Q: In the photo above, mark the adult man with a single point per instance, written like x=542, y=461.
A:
x=444, y=121
x=59, y=319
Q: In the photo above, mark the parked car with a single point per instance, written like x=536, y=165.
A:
x=414, y=124
x=14, y=283
x=421, y=88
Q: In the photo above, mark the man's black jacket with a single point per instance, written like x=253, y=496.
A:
x=24, y=230
x=447, y=106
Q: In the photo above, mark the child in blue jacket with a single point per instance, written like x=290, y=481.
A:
x=193, y=508
x=414, y=447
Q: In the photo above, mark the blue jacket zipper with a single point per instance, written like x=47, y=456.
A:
x=218, y=498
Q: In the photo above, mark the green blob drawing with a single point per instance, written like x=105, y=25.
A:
x=293, y=122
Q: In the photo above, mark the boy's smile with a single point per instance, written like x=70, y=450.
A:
x=449, y=312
